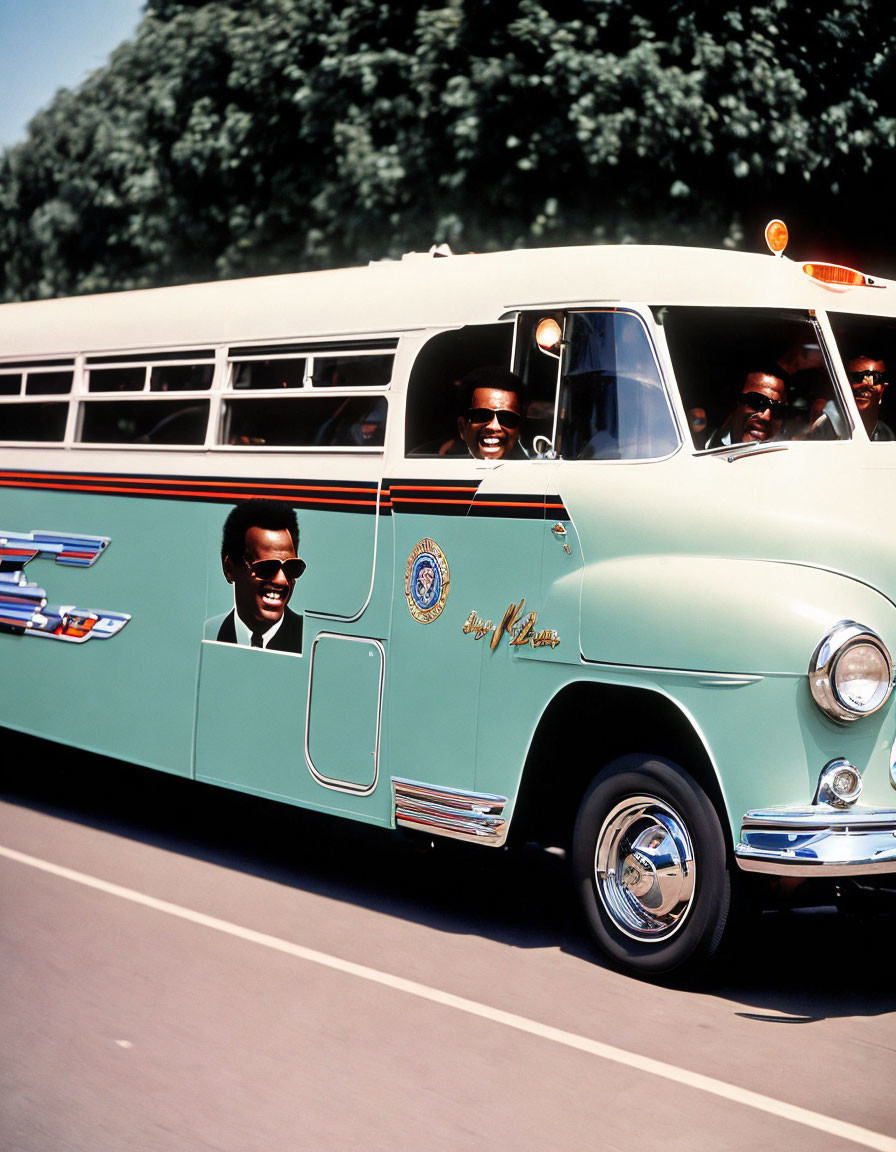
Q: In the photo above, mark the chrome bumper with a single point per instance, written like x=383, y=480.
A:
x=818, y=840
x=475, y=816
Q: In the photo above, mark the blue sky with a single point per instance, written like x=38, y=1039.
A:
x=46, y=45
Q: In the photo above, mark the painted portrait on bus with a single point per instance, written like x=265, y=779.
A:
x=260, y=560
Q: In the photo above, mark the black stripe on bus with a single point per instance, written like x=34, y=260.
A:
x=442, y=498
x=463, y=498
x=152, y=357
x=305, y=348
x=336, y=496
x=25, y=365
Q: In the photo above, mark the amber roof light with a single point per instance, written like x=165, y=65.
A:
x=776, y=236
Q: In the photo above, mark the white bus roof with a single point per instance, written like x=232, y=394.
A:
x=417, y=292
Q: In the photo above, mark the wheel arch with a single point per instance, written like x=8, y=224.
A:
x=626, y=720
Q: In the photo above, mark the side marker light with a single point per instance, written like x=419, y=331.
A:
x=838, y=276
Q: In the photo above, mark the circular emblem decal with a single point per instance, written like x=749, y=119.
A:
x=426, y=581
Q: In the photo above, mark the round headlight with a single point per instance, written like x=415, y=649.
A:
x=850, y=673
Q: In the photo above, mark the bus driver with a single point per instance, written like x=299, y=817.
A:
x=491, y=418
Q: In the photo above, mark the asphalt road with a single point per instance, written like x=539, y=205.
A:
x=183, y=968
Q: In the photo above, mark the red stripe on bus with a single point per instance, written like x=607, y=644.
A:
x=434, y=487
x=237, y=495
x=65, y=480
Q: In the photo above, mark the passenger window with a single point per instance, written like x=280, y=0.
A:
x=612, y=402
x=286, y=373
x=181, y=377
x=48, y=383
x=129, y=379
x=434, y=386
x=305, y=421
x=10, y=384
x=33, y=421
x=721, y=355
x=351, y=371
x=867, y=350
x=144, y=422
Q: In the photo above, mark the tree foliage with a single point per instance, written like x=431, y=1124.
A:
x=237, y=137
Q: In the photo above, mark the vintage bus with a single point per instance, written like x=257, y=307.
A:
x=673, y=660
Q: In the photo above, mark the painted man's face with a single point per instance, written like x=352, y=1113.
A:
x=261, y=602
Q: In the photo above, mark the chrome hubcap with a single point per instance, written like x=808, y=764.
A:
x=644, y=868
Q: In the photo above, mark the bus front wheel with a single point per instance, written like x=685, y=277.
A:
x=650, y=867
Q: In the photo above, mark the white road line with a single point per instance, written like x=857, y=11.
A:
x=731, y=1092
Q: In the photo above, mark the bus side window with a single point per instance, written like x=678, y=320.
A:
x=261, y=373
x=434, y=384
x=304, y=421
x=144, y=421
x=351, y=371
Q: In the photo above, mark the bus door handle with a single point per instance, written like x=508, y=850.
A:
x=560, y=532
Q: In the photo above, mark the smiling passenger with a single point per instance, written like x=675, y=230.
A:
x=490, y=426
x=868, y=380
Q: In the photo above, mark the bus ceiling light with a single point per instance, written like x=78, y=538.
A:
x=840, y=784
x=850, y=673
x=548, y=335
x=776, y=236
x=838, y=276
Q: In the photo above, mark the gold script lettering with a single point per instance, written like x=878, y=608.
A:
x=520, y=630
x=510, y=618
x=522, y=635
x=477, y=626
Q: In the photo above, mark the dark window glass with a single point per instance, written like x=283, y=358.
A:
x=144, y=422
x=870, y=342
x=268, y=373
x=181, y=377
x=715, y=350
x=10, y=385
x=307, y=421
x=48, y=383
x=34, y=421
x=352, y=371
x=117, y=379
x=434, y=402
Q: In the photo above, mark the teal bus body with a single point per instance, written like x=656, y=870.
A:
x=628, y=652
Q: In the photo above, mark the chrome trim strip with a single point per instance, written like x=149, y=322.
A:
x=473, y=816
x=818, y=840
x=893, y=765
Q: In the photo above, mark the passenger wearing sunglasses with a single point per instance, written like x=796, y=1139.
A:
x=759, y=413
x=491, y=421
x=868, y=379
x=491, y=418
x=259, y=556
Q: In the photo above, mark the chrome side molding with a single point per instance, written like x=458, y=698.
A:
x=474, y=816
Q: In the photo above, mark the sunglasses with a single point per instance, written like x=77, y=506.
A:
x=506, y=418
x=860, y=377
x=268, y=569
x=756, y=402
